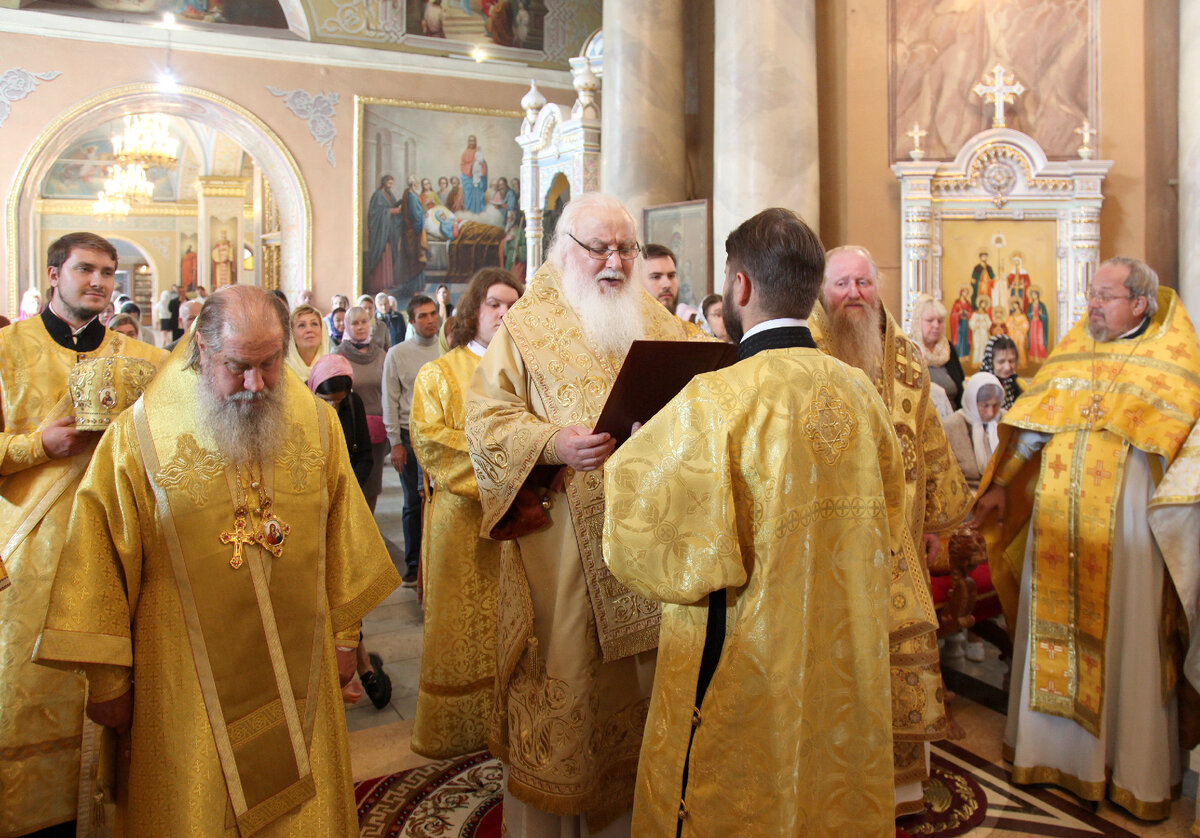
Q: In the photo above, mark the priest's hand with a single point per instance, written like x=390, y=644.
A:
x=61, y=439
x=399, y=457
x=994, y=500
x=347, y=664
x=116, y=713
x=581, y=449
x=932, y=543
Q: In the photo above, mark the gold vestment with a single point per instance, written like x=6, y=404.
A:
x=238, y=725
x=41, y=710
x=780, y=482
x=938, y=501
x=574, y=648
x=458, y=566
x=1096, y=401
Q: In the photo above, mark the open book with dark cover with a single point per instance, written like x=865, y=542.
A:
x=653, y=373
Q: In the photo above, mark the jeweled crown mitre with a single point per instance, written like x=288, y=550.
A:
x=102, y=387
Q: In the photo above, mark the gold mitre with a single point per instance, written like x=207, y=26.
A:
x=102, y=387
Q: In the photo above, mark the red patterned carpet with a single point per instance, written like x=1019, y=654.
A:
x=450, y=799
x=966, y=795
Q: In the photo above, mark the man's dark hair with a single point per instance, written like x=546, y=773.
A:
x=131, y=308
x=282, y=297
x=61, y=248
x=655, y=251
x=466, y=316
x=416, y=302
x=784, y=259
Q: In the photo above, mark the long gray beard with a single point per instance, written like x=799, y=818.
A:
x=857, y=341
x=248, y=427
x=611, y=320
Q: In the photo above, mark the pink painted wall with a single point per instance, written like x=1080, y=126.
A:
x=88, y=68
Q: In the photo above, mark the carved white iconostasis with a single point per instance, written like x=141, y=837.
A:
x=1001, y=231
x=554, y=143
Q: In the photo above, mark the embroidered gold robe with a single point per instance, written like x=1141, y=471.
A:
x=41, y=711
x=575, y=647
x=238, y=724
x=938, y=501
x=780, y=481
x=458, y=566
x=1097, y=402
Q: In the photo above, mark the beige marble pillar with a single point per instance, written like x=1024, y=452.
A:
x=1189, y=159
x=764, y=115
x=643, y=158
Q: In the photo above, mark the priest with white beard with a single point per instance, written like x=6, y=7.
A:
x=575, y=648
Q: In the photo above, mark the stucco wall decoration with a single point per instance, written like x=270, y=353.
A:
x=319, y=110
x=17, y=83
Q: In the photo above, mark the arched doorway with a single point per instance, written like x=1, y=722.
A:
x=193, y=104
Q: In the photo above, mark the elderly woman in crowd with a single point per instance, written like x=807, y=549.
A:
x=310, y=340
x=1000, y=358
x=367, y=357
x=126, y=325
x=928, y=329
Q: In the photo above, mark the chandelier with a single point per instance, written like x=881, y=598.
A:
x=126, y=186
x=146, y=141
x=110, y=205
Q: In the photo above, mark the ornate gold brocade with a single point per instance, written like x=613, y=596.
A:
x=1096, y=400
x=572, y=640
x=938, y=500
x=727, y=489
x=257, y=714
x=460, y=570
x=41, y=710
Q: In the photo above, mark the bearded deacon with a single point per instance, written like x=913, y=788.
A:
x=1093, y=608
x=42, y=457
x=218, y=549
x=460, y=567
x=575, y=648
x=852, y=324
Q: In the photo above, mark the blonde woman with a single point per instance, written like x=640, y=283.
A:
x=310, y=340
x=928, y=329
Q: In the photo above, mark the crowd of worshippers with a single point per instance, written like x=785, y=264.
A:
x=716, y=621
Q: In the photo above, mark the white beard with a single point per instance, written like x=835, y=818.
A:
x=248, y=427
x=611, y=319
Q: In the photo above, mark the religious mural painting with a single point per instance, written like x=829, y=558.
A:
x=936, y=46
x=189, y=259
x=684, y=227
x=438, y=194
x=503, y=23
x=80, y=171
x=1000, y=277
x=224, y=251
x=266, y=13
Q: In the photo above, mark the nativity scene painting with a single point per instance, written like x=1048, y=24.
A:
x=440, y=197
x=999, y=278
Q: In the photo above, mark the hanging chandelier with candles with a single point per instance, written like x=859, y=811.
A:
x=146, y=141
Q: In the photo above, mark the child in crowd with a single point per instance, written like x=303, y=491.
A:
x=973, y=432
x=332, y=380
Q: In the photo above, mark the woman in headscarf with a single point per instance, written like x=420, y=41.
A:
x=973, y=429
x=1000, y=358
x=310, y=340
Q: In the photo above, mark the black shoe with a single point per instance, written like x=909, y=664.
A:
x=409, y=580
x=376, y=684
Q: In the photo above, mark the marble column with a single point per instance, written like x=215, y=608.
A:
x=643, y=152
x=764, y=115
x=1189, y=158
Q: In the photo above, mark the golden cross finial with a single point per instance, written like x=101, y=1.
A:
x=999, y=89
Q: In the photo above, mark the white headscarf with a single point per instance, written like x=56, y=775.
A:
x=984, y=437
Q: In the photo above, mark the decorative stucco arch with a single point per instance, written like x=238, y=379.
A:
x=188, y=103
